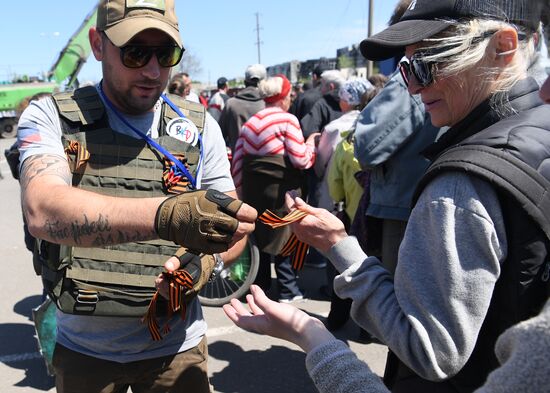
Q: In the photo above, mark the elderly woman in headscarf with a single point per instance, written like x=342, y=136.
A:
x=474, y=259
x=350, y=95
x=269, y=159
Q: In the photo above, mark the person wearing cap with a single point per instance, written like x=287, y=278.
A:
x=521, y=350
x=218, y=99
x=243, y=105
x=269, y=159
x=474, y=259
x=390, y=136
x=129, y=192
x=465, y=238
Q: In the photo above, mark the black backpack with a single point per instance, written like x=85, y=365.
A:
x=528, y=187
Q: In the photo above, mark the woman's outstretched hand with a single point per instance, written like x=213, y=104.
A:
x=283, y=321
x=320, y=229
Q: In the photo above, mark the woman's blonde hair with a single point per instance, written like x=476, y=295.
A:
x=271, y=86
x=464, y=47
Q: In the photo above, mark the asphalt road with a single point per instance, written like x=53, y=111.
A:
x=239, y=361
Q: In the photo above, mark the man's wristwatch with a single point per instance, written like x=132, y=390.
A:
x=218, y=267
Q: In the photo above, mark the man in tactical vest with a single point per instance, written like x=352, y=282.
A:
x=129, y=191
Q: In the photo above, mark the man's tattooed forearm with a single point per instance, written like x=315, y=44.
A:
x=43, y=164
x=96, y=233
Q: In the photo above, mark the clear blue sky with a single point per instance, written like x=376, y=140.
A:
x=219, y=33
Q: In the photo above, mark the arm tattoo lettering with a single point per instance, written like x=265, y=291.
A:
x=56, y=230
x=44, y=164
x=104, y=234
x=88, y=228
x=77, y=230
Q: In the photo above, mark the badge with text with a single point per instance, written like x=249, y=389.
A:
x=184, y=130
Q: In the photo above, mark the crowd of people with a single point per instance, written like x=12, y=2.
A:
x=424, y=195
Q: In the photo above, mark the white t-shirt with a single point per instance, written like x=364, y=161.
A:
x=113, y=338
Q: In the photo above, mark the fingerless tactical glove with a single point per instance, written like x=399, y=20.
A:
x=199, y=268
x=202, y=221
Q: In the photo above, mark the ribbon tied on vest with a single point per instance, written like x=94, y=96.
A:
x=174, y=179
x=81, y=154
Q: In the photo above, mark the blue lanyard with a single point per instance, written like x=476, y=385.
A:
x=150, y=141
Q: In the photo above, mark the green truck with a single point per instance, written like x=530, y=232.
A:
x=62, y=75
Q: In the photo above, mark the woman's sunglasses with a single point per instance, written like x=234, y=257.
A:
x=422, y=70
x=137, y=56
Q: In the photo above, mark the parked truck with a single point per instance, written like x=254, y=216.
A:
x=62, y=75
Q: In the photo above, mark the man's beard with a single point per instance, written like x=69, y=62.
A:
x=132, y=104
x=127, y=101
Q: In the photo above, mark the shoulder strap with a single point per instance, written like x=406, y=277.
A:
x=82, y=106
x=194, y=111
x=521, y=181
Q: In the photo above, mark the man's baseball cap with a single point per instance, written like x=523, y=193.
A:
x=255, y=71
x=425, y=18
x=121, y=20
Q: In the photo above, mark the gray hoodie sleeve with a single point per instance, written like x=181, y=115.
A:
x=448, y=264
x=334, y=368
x=522, y=351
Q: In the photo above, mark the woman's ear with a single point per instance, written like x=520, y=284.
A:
x=505, y=44
x=96, y=43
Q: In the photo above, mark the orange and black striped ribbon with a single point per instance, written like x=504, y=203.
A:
x=175, y=183
x=179, y=282
x=293, y=246
x=82, y=155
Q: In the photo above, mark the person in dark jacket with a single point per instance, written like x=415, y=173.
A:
x=240, y=108
x=312, y=93
x=327, y=108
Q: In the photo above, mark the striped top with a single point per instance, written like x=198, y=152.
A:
x=272, y=131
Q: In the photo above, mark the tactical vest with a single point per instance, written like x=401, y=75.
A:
x=510, y=155
x=114, y=280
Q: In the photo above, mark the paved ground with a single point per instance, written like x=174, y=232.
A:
x=239, y=361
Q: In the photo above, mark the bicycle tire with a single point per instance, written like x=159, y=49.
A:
x=234, y=280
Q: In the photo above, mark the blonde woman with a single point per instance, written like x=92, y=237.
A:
x=473, y=261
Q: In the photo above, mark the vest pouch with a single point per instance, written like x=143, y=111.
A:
x=84, y=298
x=115, y=281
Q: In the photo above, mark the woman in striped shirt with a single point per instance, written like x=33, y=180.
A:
x=269, y=159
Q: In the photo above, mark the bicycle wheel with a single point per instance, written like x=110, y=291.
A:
x=234, y=280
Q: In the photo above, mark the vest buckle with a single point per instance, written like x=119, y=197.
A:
x=87, y=297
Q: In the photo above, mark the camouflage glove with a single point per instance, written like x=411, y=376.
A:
x=202, y=221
